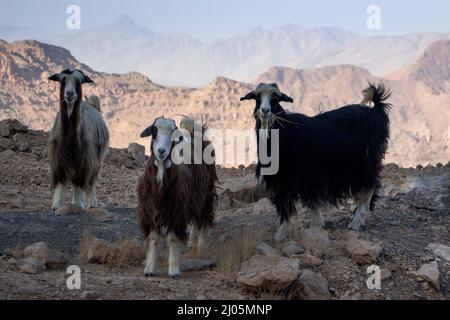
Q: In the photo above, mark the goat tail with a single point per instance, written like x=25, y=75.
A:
x=94, y=101
x=378, y=96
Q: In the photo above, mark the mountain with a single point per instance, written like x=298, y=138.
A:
x=130, y=101
x=432, y=68
x=179, y=59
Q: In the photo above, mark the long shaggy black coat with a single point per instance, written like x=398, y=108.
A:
x=329, y=157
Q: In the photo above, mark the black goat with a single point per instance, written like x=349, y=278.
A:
x=323, y=159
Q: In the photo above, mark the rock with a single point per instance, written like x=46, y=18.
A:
x=69, y=209
x=31, y=265
x=52, y=258
x=7, y=154
x=363, y=252
x=12, y=261
x=5, y=128
x=224, y=201
x=440, y=250
x=265, y=249
x=137, y=152
x=308, y=261
x=9, y=127
x=16, y=126
x=315, y=240
x=95, y=250
x=385, y=274
x=264, y=205
x=268, y=273
x=197, y=264
x=5, y=144
x=313, y=286
x=348, y=296
x=89, y=295
x=101, y=214
x=427, y=258
x=21, y=142
x=291, y=248
x=428, y=272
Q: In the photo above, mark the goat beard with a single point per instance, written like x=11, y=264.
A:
x=266, y=124
x=69, y=109
x=162, y=166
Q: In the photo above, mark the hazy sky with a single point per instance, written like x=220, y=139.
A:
x=209, y=19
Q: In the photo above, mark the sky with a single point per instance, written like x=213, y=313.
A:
x=210, y=19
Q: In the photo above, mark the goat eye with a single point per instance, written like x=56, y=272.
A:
x=180, y=138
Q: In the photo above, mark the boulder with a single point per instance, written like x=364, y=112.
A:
x=315, y=240
x=31, y=265
x=385, y=274
x=440, y=250
x=69, y=209
x=5, y=128
x=9, y=127
x=363, y=252
x=265, y=249
x=21, y=142
x=428, y=272
x=268, y=273
x=308, y=261
x=7, y=154
x=313, y=286
x=264, y=205
x=101, y=214
x=95, y=250
x=224, y=200
x=137, y=152
x=51, y=257
x=5, y=144
x=291, y=248
x=89, y=295
x=197, y=264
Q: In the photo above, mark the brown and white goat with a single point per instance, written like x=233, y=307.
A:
x=78, y=143
x=173, y=196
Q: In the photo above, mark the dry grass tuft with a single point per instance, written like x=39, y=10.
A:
x=126, y=253
x=17, y=252
x=122, y=253
x=231, y=253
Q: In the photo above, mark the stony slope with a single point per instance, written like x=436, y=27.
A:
x=412, y=212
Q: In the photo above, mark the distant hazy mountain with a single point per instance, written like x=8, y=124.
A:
x=179, y=59
x=421, y=96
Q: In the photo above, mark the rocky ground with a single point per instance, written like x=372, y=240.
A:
x=407, y=236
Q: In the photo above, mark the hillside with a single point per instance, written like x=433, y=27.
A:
x=131, y=101
x=408, y=231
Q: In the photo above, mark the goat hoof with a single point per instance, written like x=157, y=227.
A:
x=175, y=276
x=149, y=274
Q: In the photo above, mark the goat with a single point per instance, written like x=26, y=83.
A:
x=79, y=141
x=172, y=196
x=323, y=159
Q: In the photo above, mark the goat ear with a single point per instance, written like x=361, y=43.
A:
x=285, y=98
x=87, y=79
x=248, y=96
x=147, y=132
x=55, y=77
